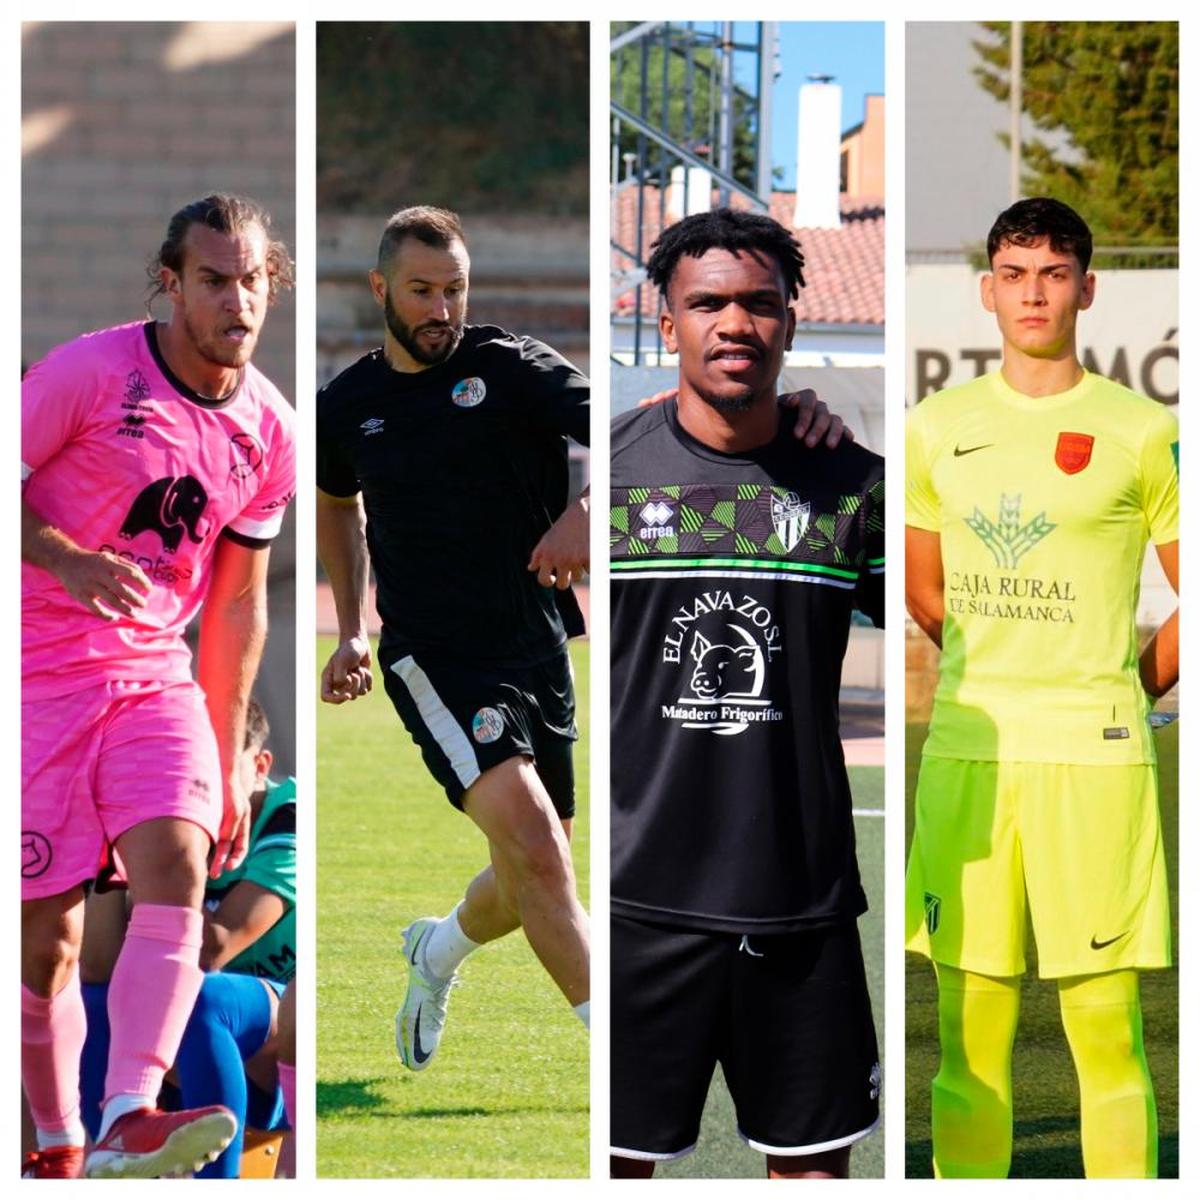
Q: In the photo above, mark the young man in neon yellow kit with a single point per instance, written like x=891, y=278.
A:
x=1031, y=495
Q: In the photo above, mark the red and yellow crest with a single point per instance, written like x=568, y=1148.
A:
x=1073, y=452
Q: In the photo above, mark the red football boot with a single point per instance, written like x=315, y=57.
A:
x=149, y=1144
x=57, y=1162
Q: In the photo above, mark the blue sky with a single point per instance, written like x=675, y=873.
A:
x=851, y=51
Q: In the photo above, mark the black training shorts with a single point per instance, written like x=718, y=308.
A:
x=466, y=720
x=787, y=1016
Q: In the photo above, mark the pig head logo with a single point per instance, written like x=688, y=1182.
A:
x=733, y=669
x=169, y=507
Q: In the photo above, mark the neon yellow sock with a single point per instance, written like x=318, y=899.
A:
x=1102, y=1015
x=972, y=1091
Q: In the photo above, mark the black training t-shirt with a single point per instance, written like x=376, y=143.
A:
x=462, y=468
x=733, y=581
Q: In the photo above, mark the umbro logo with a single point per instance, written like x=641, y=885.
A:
x=374, y=425
x=959, y=451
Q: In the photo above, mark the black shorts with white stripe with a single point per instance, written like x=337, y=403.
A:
x=467, y=719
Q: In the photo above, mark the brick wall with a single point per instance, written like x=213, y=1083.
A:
x=122, y=124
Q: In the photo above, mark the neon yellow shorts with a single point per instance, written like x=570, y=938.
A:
x=1077, y=847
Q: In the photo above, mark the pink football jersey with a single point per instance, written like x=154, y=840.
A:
x=122, y=456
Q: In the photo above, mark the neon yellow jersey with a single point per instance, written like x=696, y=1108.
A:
x=1044, y=506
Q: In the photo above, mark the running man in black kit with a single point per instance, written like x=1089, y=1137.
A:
x=451, y=439
x=737, y=557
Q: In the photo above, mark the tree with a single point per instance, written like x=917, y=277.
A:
x=1113, y=88
x=473, y=116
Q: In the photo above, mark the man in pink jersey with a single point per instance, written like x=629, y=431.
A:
x=157, y=465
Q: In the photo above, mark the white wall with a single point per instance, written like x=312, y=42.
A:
x=1130, y=333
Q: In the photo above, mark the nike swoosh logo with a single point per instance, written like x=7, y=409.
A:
x=1100, y=945
x=418, y=1054
x=958, y=453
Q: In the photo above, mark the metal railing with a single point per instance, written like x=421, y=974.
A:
x=684, y=116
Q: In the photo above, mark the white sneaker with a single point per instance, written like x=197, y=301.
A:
x=422, y=1017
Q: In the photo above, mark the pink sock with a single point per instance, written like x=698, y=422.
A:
x=52, y=1035
x=154, y=986
x=287, y=1082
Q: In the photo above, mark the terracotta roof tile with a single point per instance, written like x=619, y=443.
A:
x=843, y=268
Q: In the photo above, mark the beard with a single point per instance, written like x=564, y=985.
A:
x=212, y=349
x=740, y=403
x=406, y=335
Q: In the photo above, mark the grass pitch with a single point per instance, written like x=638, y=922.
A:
x=508, y=1094
x=1045, y=1094
x=721, y=1154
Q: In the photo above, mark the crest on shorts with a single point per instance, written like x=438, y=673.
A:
x=933, y=912
x=487, y=725
x=36, y=854
x=1073, y=452
x=790, y=518
x=467, y=393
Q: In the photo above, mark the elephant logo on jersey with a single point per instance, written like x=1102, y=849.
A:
x=169, y=507
x=790, y=518
x=36, y=854
x=1007, y=539
x=725, y=672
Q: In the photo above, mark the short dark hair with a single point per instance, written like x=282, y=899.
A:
x=1029, y=221
x=258, y=728
x=436, y=227
x=226, y=213
x=726, y=229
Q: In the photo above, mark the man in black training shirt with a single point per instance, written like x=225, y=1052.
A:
x=737, y=557
x=452, y=439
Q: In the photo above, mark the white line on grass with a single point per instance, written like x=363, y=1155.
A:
x=866, y=812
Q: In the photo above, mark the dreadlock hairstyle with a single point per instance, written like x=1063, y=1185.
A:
x=226, y=213
x=726, y=229
x=1029, y=221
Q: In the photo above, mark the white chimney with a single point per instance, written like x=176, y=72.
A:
x=699, y=192
x=818, y=155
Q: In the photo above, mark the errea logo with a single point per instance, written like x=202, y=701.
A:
x=659, y=518
x=374, y=425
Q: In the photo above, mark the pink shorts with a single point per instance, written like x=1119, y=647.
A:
x=100, y=761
